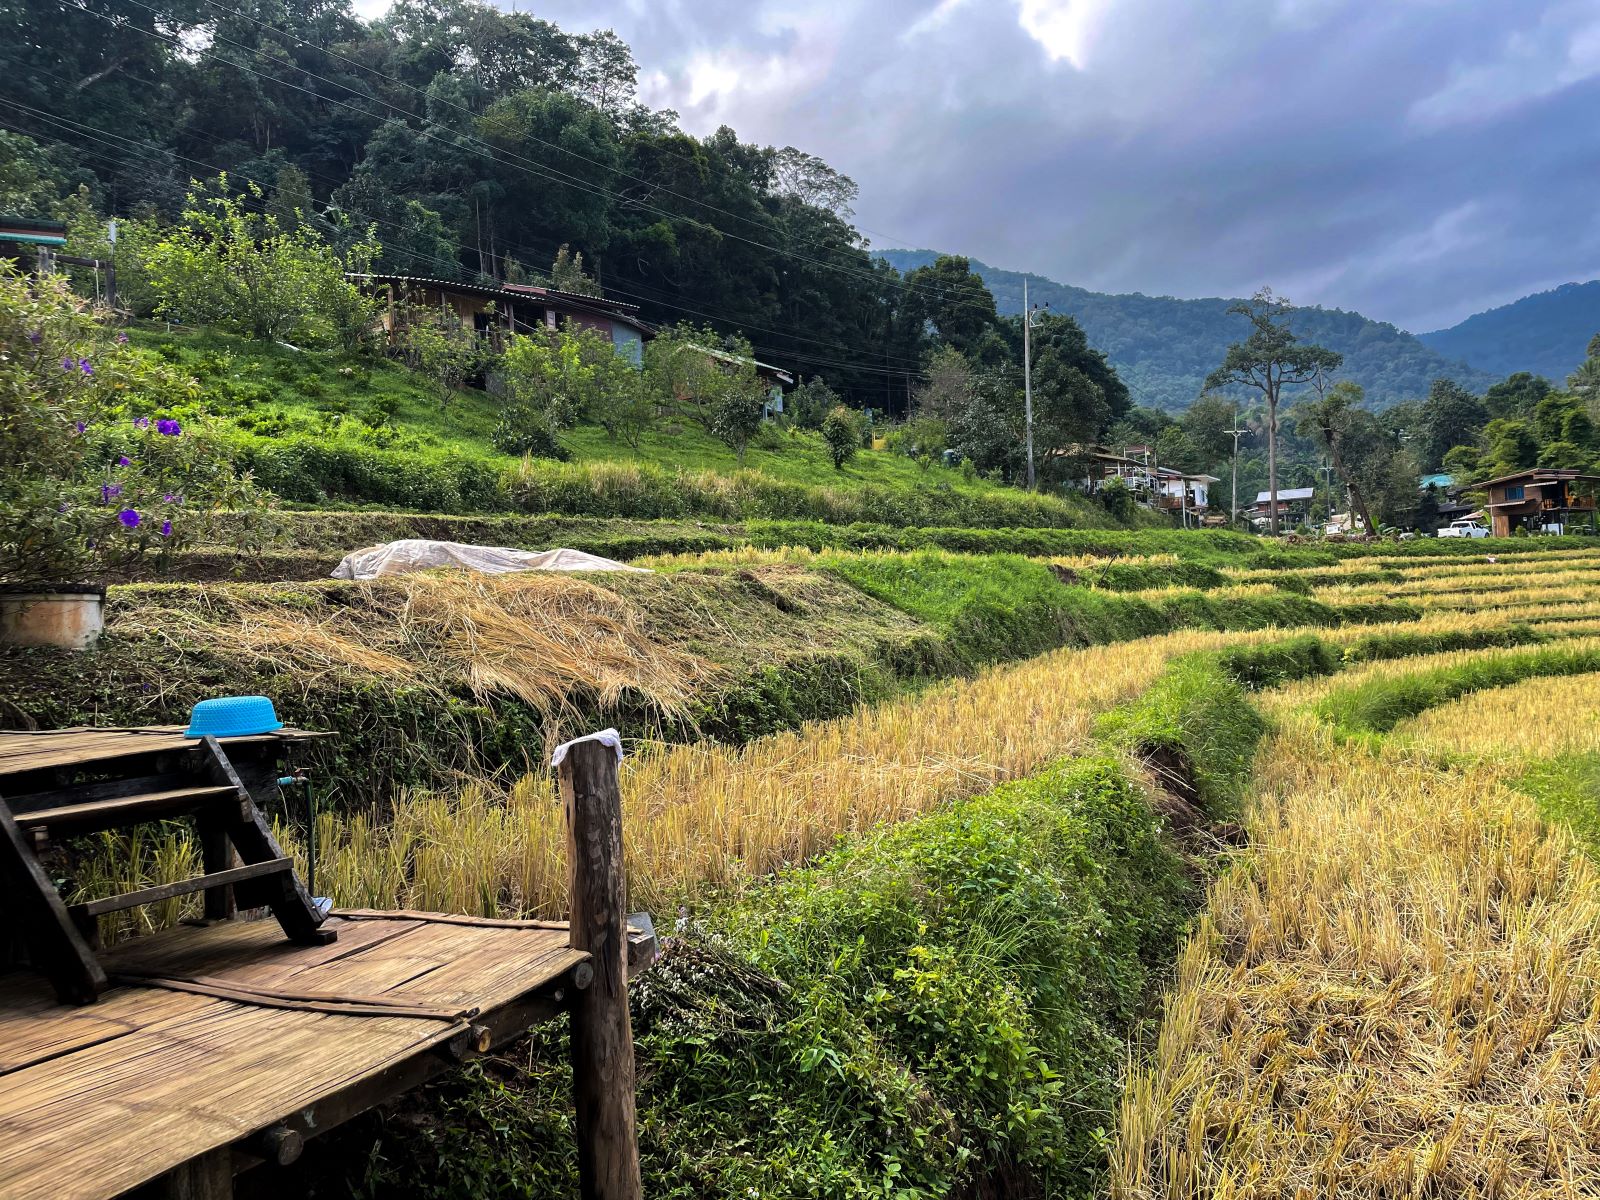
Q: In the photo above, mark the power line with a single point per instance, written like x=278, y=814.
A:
x=683, y=158
x=534, y=168
x=100, y=136
x=761, y=224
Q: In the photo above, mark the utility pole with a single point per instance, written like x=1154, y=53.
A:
x=1027, y=375
x=1237, y=433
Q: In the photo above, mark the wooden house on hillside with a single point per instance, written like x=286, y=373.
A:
x=495, y=309
x=1162, y=488
x=1540, y=500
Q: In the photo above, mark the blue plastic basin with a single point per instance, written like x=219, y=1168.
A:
x=232, y=716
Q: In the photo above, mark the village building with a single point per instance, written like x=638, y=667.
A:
x=1540, y=500
x=1162, y=488
x=1293, y=504
x=496, y=309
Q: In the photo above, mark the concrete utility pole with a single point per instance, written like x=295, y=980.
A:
x=1237, y=433
x=1027, y=375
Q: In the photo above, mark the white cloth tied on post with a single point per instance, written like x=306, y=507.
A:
x=606, y=737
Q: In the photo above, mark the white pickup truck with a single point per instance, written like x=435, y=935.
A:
x=1467, y=528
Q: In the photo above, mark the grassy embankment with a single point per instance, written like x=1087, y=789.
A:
x=428, y=675
x=321, y=430
x=940, y=1006
x=1394, y=992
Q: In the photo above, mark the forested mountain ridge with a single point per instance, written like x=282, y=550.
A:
x=1163, y=347
x=1543, y=334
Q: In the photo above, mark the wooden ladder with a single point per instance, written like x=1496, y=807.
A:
x=242, y=860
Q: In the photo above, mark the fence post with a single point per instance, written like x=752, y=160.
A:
x=602, y=1036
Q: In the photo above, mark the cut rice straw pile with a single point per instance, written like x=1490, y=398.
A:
x=548, y=640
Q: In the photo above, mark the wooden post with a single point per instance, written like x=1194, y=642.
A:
x=602, y=1036
x=209, y=1177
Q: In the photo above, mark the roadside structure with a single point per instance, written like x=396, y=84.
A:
x=1155, y=486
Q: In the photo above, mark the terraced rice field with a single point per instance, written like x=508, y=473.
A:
x=1395, y=991
x=1393, y=988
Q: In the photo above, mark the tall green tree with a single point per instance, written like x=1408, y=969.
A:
x=1334, y=419
x=1451, y=416
x=1269, y=360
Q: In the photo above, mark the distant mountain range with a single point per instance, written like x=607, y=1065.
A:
x=1546, y=333
x=1164, y=347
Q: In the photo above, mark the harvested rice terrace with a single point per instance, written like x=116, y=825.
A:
x=1017, y=799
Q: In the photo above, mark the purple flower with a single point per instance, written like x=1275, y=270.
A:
x=166, y=528
x=122, y=339
x=141, y=422
x=129, y=518
x=124, y=461
x=109, y=492
x=62, y=507
x=78, y=427
x=36, y=337
x=168, y=427
x=68, y=365
x=83, y=365
x=167, y=499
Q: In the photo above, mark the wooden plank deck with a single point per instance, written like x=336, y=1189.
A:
x=100, y=1099
x=84, y=746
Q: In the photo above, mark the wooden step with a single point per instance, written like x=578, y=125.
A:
x=183, y=887
x=117, y=811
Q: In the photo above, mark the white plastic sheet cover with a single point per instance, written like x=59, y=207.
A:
x=421, y=554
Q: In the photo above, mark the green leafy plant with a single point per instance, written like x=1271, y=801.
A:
x=95, y=471
x=226, y=264
x=552, y=380
x=841, y=429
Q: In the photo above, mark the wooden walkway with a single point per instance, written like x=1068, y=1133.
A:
x=225, y=1044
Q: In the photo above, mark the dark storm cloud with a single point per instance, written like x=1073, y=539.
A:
x=1414, y=159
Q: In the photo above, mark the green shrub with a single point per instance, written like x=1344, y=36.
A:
x=998, y=953
x=1258, y=668
x=1377, y=646
x=1136, y=577
x=310, y=471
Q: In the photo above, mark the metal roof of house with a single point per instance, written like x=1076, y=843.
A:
x=1286, y=494
x=598, y=305
x=1535, y=475
x=33, y=230
x=783, y=375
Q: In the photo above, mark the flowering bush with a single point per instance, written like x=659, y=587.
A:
x=95, y=472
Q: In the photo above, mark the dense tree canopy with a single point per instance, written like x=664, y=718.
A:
x=477, y=141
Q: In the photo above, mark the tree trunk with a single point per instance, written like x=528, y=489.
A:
x=1355, y=492
x=1272, y=459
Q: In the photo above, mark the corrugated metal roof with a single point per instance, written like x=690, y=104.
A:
x=1286, y=494
x=615, y=309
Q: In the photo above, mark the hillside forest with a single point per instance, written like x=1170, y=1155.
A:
x=450, y=139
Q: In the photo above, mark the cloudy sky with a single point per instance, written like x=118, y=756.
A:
x=1418, y=160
